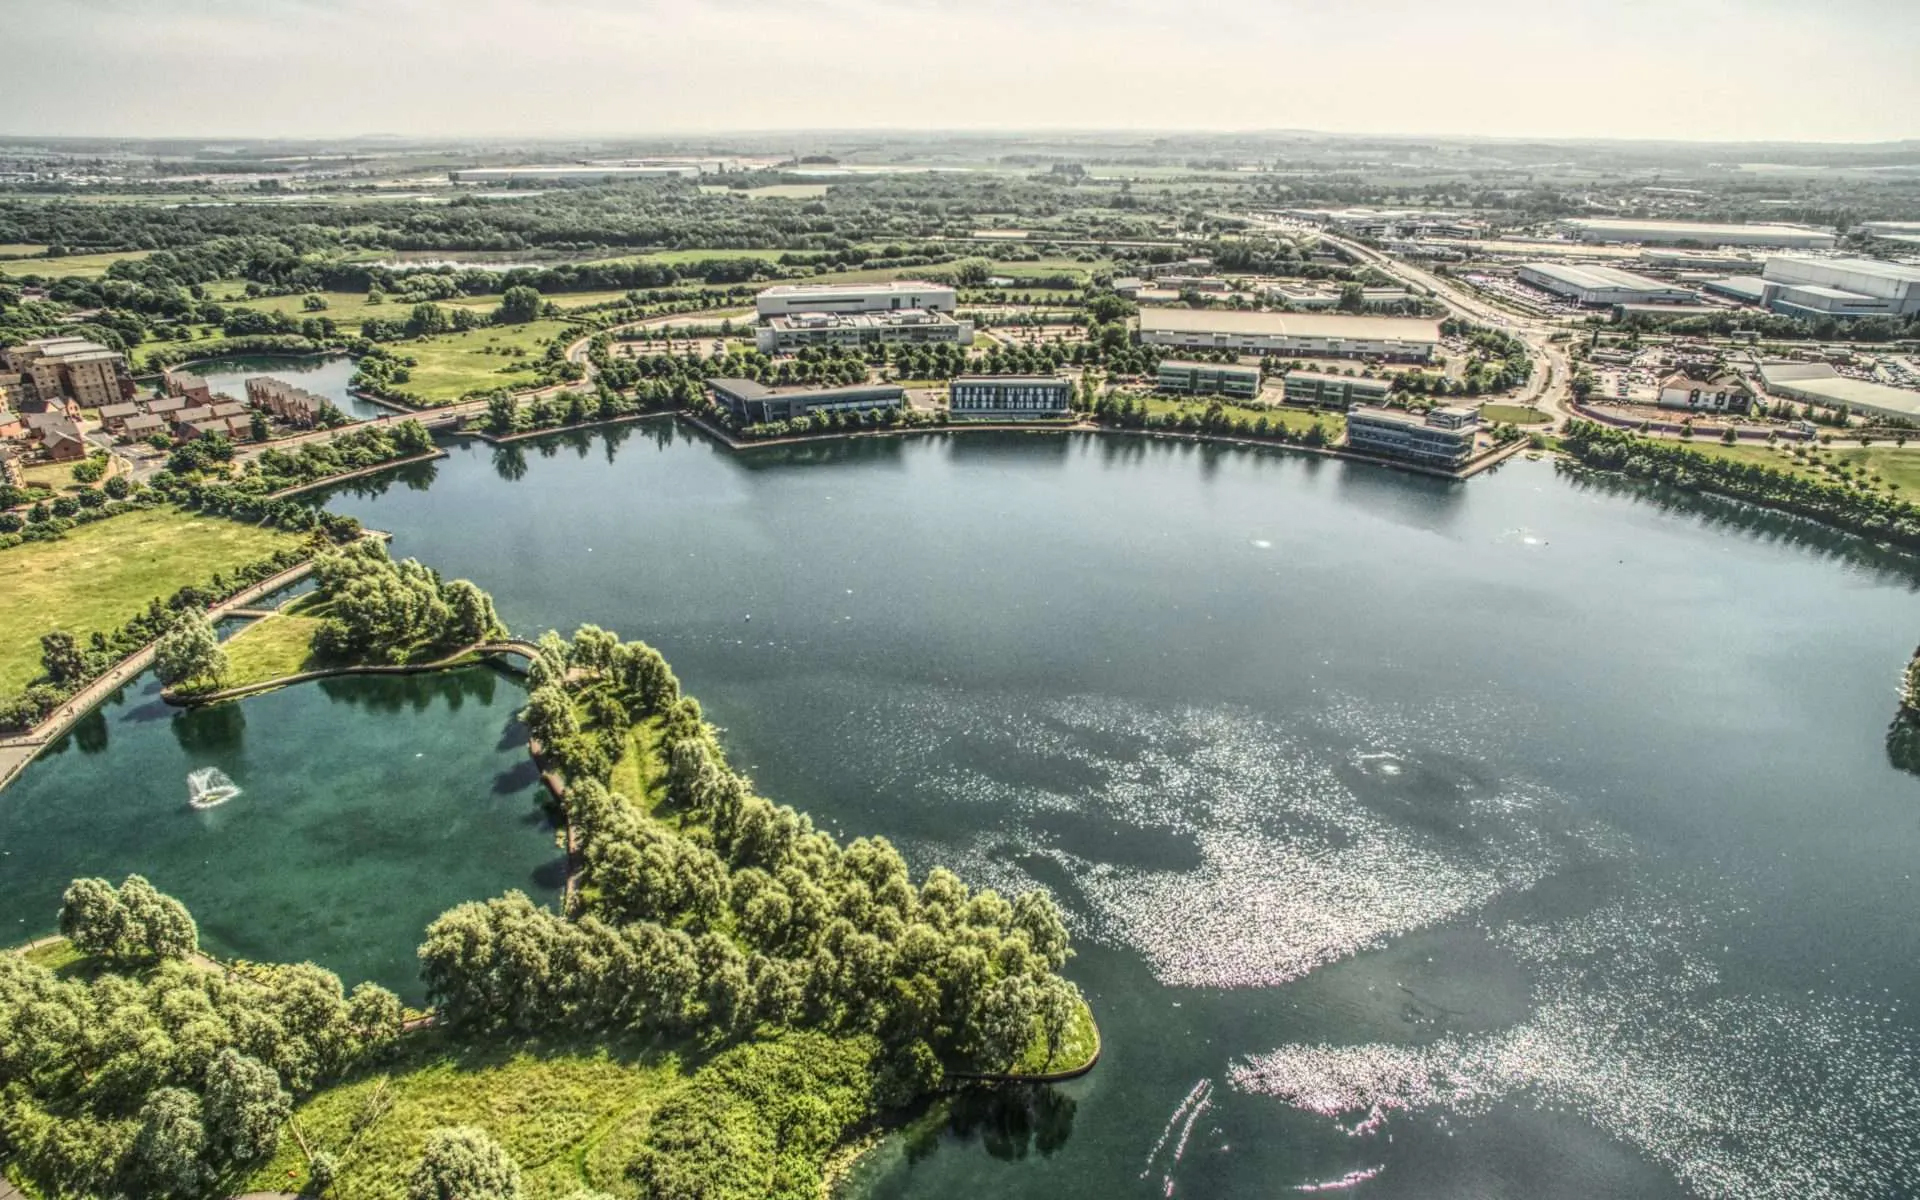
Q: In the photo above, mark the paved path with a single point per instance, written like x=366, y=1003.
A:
x=18, y=750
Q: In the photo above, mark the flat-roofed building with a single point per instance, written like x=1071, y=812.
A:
x=1319, y=335
x=1671, y=233
x=1896, y=284
x=1207, y=379
x=755, y=403
x=1009, y=396
x=1655, y=259
x=1747, y=289
x=1340, y=392
x=1723, y=391
x=1811, y=301
x=1443, y=437
x=1820, y=383
x=1594, y=286
x=788, y=299
x=908, y=327
x=1185, y=266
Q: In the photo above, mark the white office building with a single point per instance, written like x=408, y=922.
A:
x=789, y=299
x=1309, y=335
x=1009, y=396
x=908, y=327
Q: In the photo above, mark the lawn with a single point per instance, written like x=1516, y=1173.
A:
x=1898, y=468
x=56, y=477
x=550, y=1106
x=448, y=367
x=87, y=266
x=641, y=773
x=271, y=648
x=20, y=249
x=1511, y=414
x=101, y=574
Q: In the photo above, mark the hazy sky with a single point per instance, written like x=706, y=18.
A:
x=1708, y=69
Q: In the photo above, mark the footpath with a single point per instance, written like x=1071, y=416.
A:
x=17, y=750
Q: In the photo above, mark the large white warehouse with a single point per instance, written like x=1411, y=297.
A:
x=787, y=299
x=1410, y=339
x=1597, y=286
x=1882, y=287
x=1668, y=233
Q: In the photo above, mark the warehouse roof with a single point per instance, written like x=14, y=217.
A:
x=1865, y=266
x=1701, y=230
x=1599, y=278
x=1327, y=325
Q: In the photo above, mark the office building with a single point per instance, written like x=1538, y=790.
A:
x=790, y=299
x=1009, y=396
x=909, y=327
x=1337, y=392
x=1186, y=266
x=755, y=403
x=1720, y=392
x=1672, y=233
x=1443, y=437
x=1842, y=286
x=1318, y=335
x=1596, y=287
x=1208, y=379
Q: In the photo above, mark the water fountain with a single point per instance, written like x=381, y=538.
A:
x=209, y=787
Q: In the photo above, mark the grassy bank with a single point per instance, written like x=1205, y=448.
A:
x=1511, y=414
x=1889, y=471
x=103, y=573
x=480, y=360
x=271, y=648
x=554, y=1106
x=1294, y=420
x=86, y=266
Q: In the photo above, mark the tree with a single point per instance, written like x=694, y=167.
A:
x=190, y=654
x=157, y=925
x=375, y=1015
x=244, y=1108
x=472, y=615
x=92, y=917
x=61, y=659
x=165, y=1158
x=518, y=305
x=464, y=1163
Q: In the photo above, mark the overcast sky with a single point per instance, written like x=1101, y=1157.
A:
x=1830, y=70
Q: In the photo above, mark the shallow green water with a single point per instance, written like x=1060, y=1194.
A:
x=1516, y=839
x=368, y=806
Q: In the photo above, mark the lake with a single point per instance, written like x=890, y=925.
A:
x=368, y=806
x=323, y=375
x=1523, y=838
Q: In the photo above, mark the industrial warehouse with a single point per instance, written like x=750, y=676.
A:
x=1596, y=286
x=1399, y=339
x=1673, y=233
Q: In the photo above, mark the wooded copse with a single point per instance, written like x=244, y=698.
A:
x=163, y=1074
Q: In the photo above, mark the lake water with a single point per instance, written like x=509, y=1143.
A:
x=323, y=375
x=367, y=807
x=1522, y=838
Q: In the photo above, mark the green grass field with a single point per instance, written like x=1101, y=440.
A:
x=450, y=366
x=101, y=574
x=1512, y=414
x=87, y=266
x=1889, y=470
x=271, y=648
x=569, y=1115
